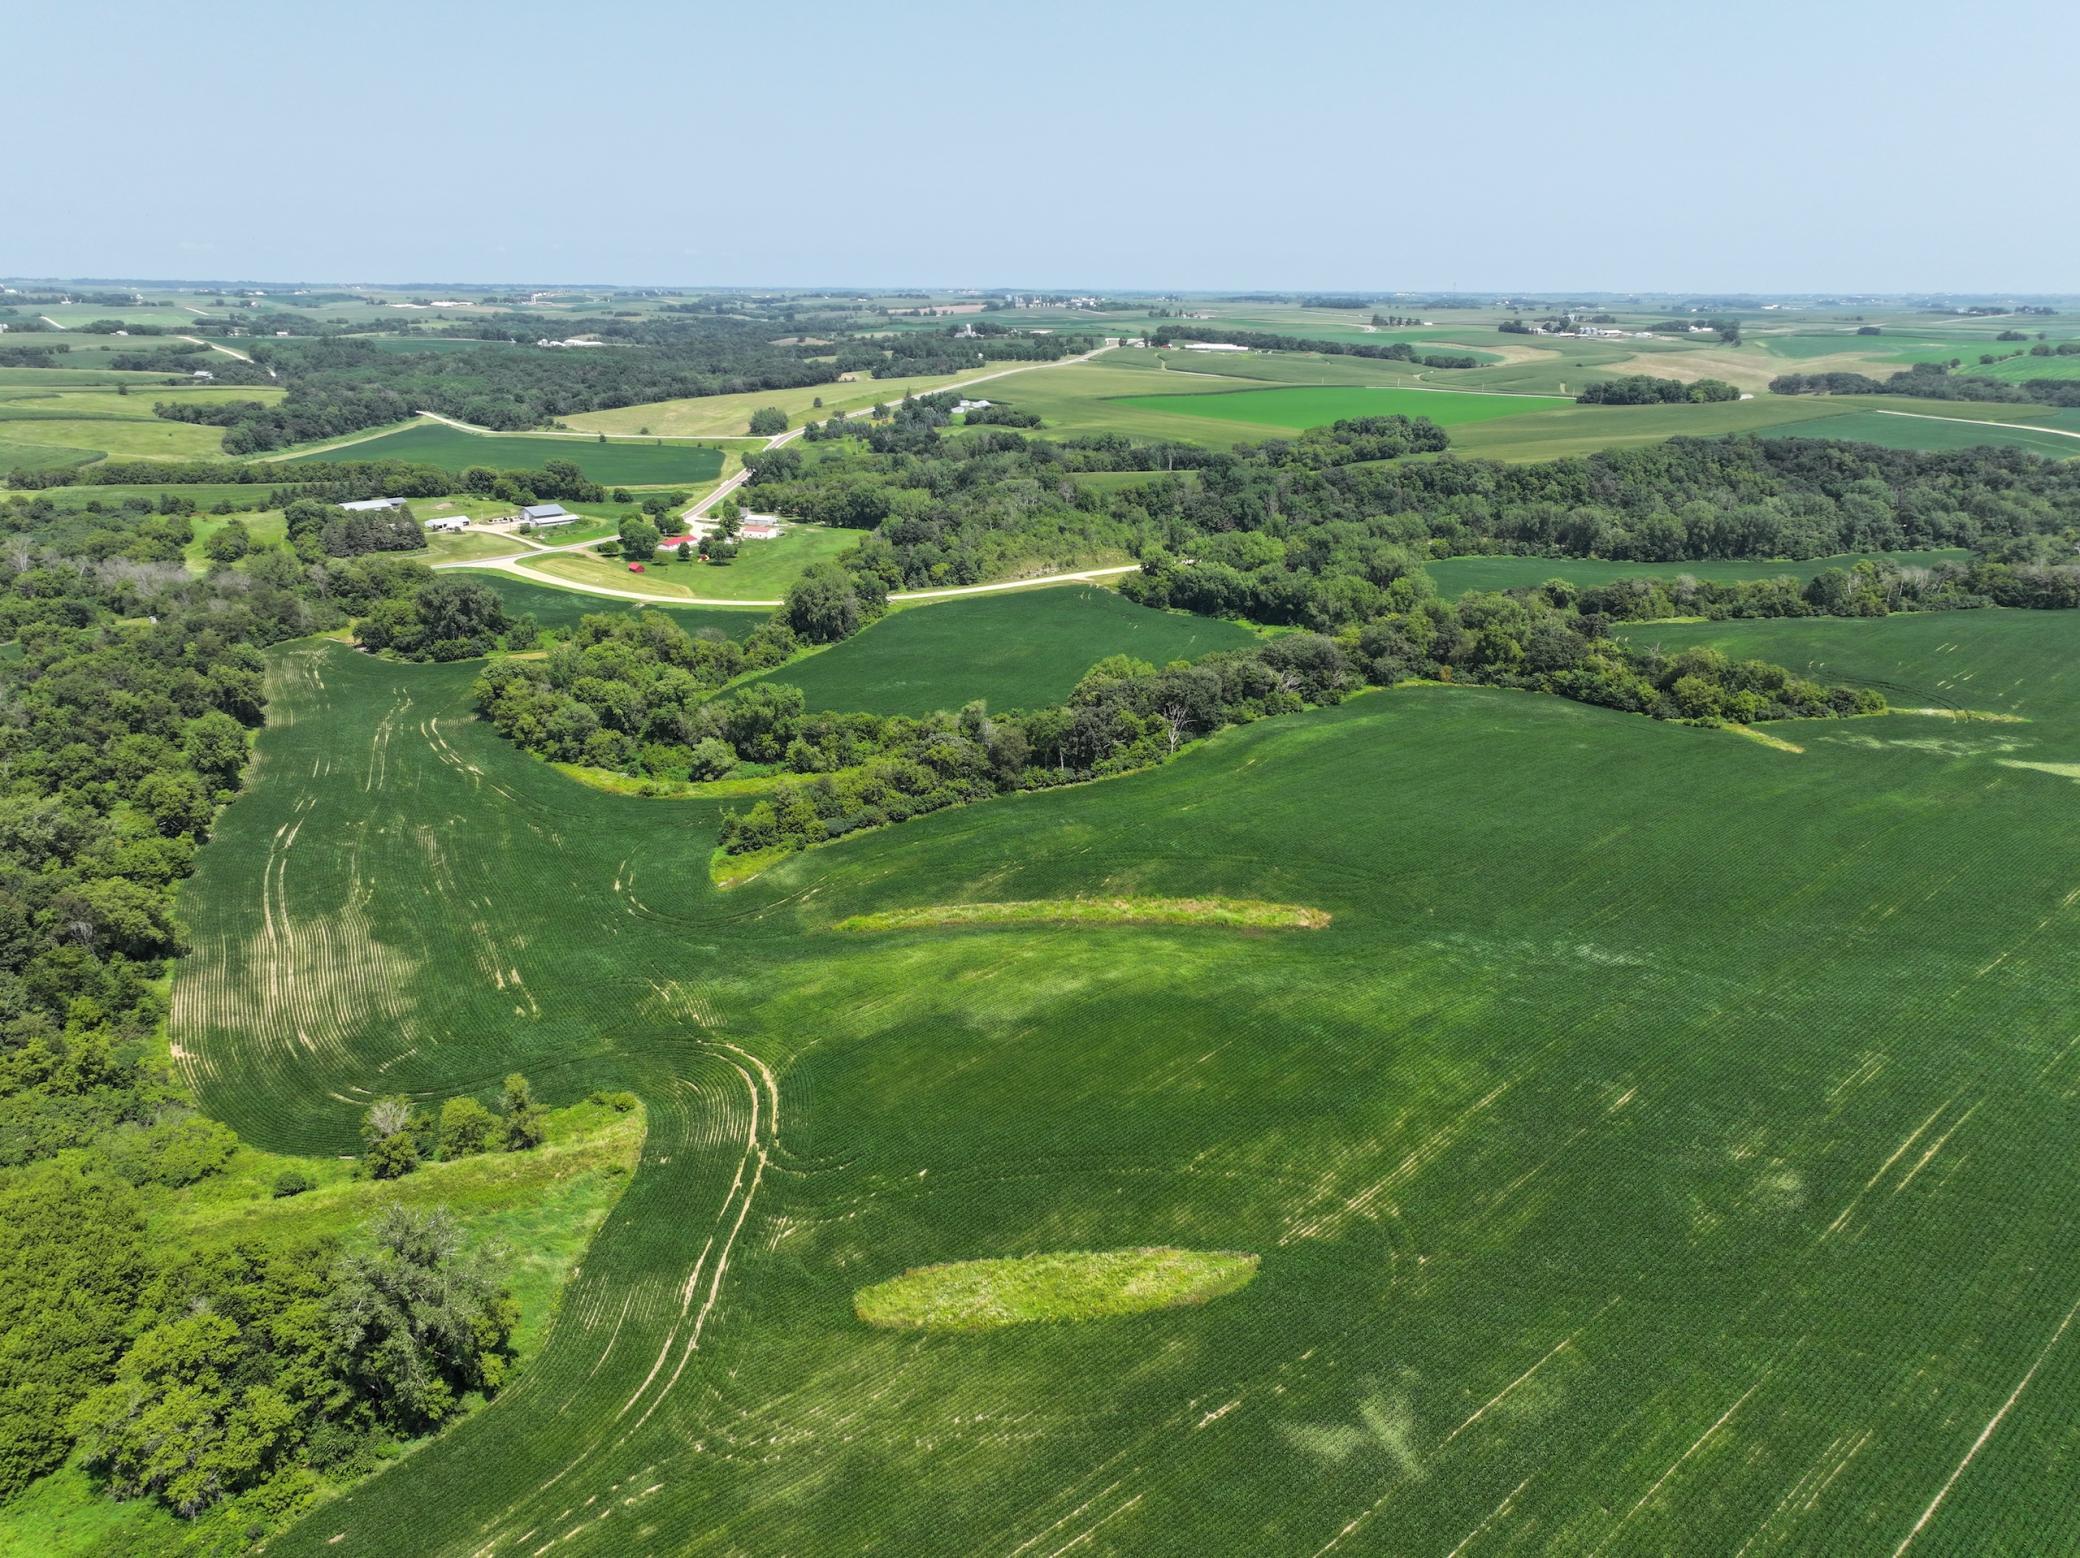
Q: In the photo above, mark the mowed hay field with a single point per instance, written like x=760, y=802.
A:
x=1663, y=1148
x=451, y=448
x=1016, y=650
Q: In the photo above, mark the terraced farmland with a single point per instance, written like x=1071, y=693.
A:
x=1613, y=1189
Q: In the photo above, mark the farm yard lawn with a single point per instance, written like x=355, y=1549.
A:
x=445, y=546
x=1454, y=576
x=1020, y=649
x=614, y=464
x=763, y=570
x=1594, y=1209
x=713, y=416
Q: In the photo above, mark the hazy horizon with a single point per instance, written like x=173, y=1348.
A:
x=1795, y=151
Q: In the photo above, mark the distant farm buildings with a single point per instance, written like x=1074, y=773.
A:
x=1213, y=346
x=760, y=530
x=448, y=523
x=963, y=407
x=370, y=505
x=546, y=516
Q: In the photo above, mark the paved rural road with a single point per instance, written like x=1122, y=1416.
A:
x=514, y=567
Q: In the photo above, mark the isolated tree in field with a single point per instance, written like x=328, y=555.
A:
x=416, y=1321
x=731, y=519
x=684, y=551
x=467, y=1128
x=525, y=1124
x=391, y=1150
x=768, y=420
x=229, y=544
x=639, y=538
x=722, y=550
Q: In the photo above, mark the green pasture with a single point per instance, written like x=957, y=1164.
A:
x=616, y=463
x=1613, y=1188
x=1454, y=576
x=1020, y=649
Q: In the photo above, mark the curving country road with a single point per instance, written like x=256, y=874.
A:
x=513, y=566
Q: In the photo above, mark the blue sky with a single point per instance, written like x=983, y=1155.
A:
x=1478, y=145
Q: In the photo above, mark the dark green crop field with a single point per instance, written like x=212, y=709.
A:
x=634, y=464
x=1015, y=650
x=1665, y=1147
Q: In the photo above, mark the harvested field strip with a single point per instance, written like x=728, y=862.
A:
x=1233, y=913
x=981, y=1295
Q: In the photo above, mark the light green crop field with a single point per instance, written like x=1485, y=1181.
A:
x=1665, y=1147
x=762, y=571
x=727, y=416
x=1021, y=649
x=2019, y=370
x=1454, y=576
x=625, y=464
x=558, y=611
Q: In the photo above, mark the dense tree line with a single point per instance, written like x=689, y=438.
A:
x=1643, y=389
x=863, y=771
x=1265, y=341
x=1308, y=531
x=1932, y=381
x=130, y=703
